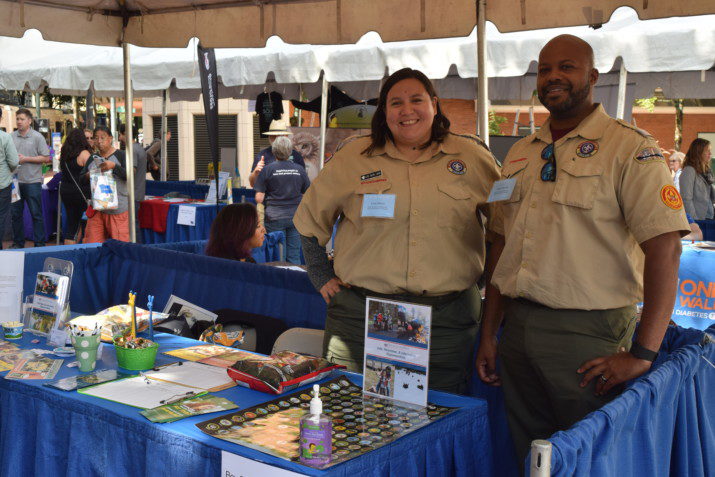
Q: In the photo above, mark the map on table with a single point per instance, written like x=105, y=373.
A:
x=360, y=423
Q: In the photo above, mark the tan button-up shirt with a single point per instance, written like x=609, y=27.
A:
x=573, y=243
x=434, y=245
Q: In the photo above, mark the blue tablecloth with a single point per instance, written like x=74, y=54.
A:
x=662, y=425
x=270, y=251
x=195, y=191
x=205, y=214
x=49, y=432
x=49, y=215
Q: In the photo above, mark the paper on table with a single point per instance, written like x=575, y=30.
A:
x=175, y=199
x=137, y=392
x=186, y=215
x=292, y=267
x=194, y=375
x=13, y=268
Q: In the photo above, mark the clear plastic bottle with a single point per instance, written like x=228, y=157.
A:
x=316, y=434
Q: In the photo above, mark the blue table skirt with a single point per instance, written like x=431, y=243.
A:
x=205, y=214
x=194, y=190
x=50, y=432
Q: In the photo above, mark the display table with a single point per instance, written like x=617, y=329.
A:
x=158, y=220
x=194, y=190
x=45, y=431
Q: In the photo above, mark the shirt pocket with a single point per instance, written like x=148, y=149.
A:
x=514, y=171
x=359, y=195
x=457, y=208
x=577, y=183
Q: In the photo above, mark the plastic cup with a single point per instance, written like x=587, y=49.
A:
x=85, y=348
x=12, y=330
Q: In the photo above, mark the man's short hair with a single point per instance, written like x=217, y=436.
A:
x=104, y=129
x=282, y=148
x=24, y=111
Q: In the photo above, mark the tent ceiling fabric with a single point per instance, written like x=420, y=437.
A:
x=652, y=47
x=249, y=23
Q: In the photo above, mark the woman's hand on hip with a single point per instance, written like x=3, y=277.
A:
x=331, y=288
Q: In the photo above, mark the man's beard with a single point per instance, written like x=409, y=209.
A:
x=574, y=99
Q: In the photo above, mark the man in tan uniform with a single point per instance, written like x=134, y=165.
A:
x=592, y=208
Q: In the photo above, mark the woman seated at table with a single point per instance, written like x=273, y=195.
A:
x=73, y=190
x=235, y=232
x=280, y=187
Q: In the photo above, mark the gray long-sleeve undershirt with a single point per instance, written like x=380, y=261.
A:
x=320, y=269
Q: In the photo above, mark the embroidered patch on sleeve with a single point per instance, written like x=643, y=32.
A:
x=671, y=197
x=649, y=154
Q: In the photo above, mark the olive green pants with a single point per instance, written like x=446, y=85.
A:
x=540, y=350
x=455, y=321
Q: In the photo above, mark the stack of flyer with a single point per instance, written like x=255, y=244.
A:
x=50, y=297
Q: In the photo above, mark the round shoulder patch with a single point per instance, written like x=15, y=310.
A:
x=457, y=167
x=587, y=149
x=671, y=197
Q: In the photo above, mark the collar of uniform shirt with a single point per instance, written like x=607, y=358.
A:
x=592, y=127
x=446, y=147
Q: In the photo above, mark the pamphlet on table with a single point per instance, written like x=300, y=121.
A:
x=11, y=275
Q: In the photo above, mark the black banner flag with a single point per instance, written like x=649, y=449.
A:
x=209, y=89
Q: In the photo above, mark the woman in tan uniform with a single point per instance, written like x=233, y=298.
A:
x=411, y=198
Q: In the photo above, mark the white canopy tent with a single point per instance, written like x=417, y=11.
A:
x=651, y=51
x=242, y=23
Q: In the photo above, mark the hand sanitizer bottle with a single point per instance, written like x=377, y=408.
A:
x=316, y=434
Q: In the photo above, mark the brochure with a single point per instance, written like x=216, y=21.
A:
x=189, y=407
x=178, y=308
x=82, y=381
x=397, y=343
x=35, y=368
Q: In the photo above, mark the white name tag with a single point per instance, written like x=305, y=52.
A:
x=378, y=205
x=502, y=190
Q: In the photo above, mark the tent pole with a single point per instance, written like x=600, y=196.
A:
x=622, y=77
x=75, y=112
x=38, y=109
x=113, y=116
x=540, y=465
x=164, y=128
x=323, y=119
x=128, y=103
x=482, y=79
x=59, y=212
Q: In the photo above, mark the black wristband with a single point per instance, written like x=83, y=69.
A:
x=640, y=352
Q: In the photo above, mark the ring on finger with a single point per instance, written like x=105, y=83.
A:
x=604, y=379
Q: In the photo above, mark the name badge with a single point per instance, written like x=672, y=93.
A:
x=502, y=190
x=378, y=205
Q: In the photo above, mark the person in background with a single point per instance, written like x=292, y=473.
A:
x=591, y=227
x=696, y=181
x=675, y=163
x=412, y=197
x=89, y=134
x=140, y=168
x=236, y=231
x=280, y=187
x=153, y=156
x=75, y=192
x=265, y=156
x=9, y=161
x=105, y=224
x=33, y=153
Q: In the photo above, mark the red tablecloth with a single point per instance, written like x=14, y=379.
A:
x=153, y=212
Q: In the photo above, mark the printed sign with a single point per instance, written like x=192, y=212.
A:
x=397, y=342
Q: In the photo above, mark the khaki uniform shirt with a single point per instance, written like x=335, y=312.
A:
x=573, y=243
x=434, y=245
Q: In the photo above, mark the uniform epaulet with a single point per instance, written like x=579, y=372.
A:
x=473, y=138
x=642, y=132
x=348, y=140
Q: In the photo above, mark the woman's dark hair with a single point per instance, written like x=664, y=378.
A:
x=381, y=133
x=74, y=144
x=231, y=230
x=694, y=157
